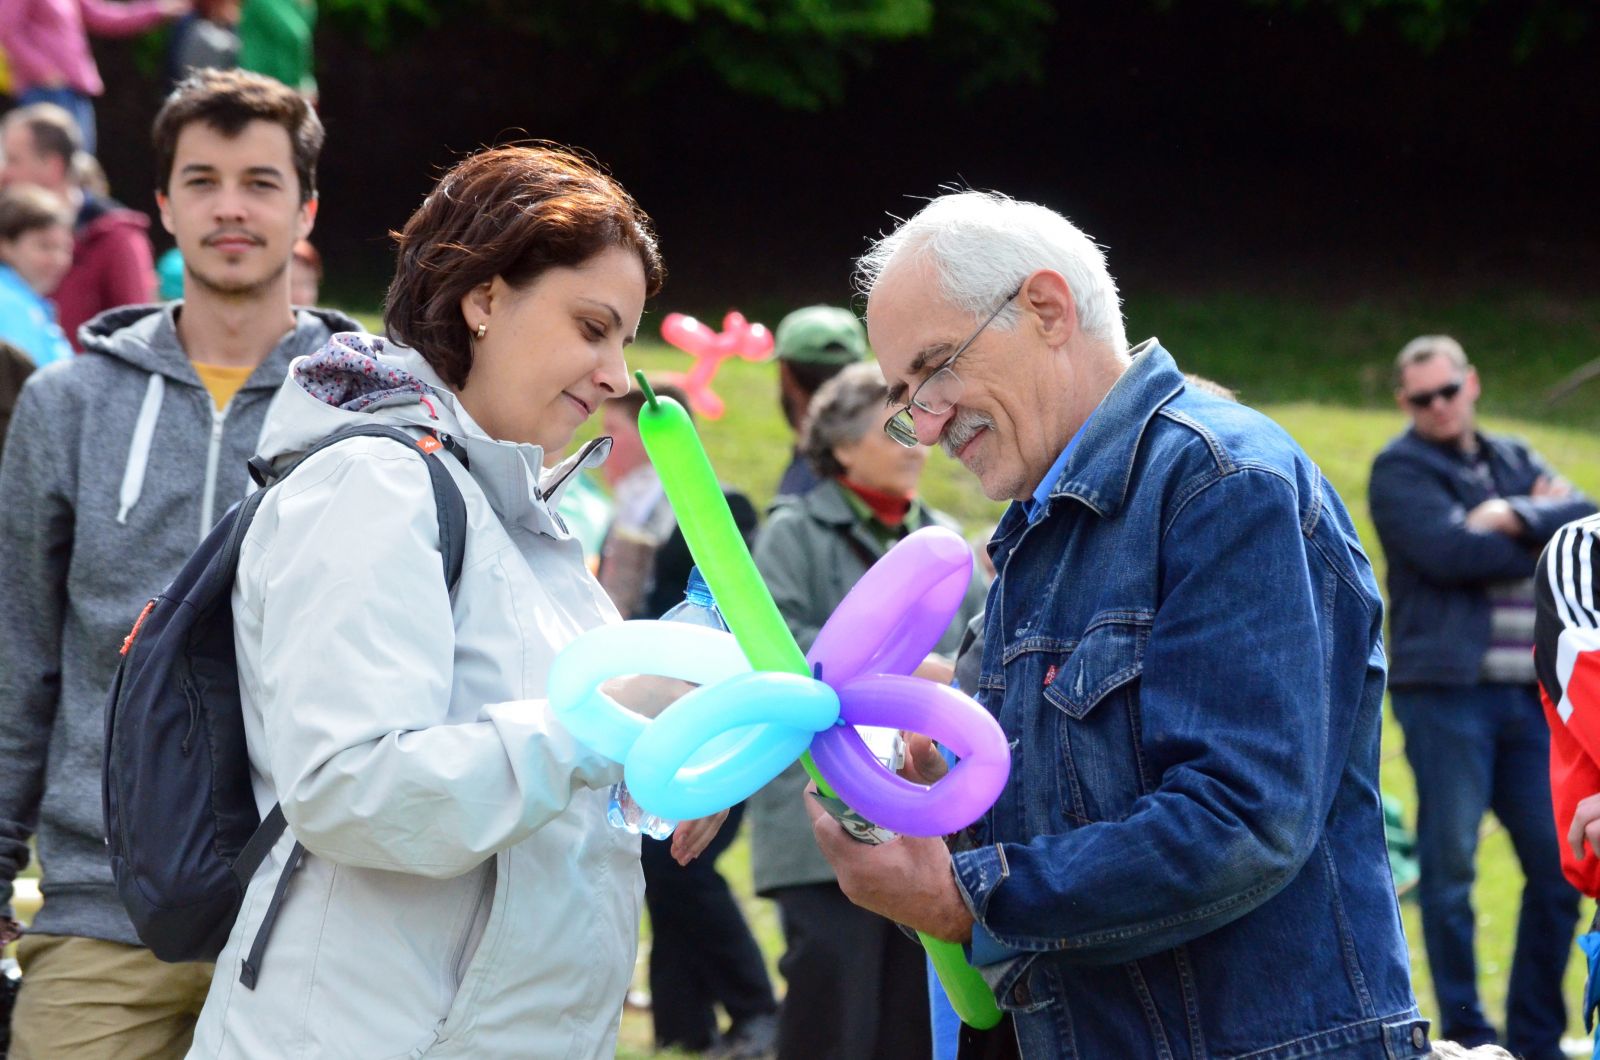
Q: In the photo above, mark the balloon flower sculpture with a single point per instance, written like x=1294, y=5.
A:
x=761, y=703
x=738, y=338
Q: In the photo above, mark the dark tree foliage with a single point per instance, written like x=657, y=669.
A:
x=801, y=53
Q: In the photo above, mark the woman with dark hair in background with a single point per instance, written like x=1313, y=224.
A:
x=462, y=893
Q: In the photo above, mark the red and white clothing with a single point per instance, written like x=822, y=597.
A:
x=1567, y=658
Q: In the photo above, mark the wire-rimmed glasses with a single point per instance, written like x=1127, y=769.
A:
x=936, y=394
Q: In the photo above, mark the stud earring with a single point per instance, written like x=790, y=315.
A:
x=482, y=328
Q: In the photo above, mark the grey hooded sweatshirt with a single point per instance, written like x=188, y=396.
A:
x=116, y=464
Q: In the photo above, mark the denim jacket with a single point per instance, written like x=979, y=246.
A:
x=1184, y=648
x=1439, y=568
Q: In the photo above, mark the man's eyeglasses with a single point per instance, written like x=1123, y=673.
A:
x=936, y=394
x=1427, y=397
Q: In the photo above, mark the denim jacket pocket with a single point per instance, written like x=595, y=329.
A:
x=1095, y=691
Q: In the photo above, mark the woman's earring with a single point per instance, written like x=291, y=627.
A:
x=482, y=328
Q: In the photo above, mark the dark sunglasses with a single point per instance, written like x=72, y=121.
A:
x=1427, y=397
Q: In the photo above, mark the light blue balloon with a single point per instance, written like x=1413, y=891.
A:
x=722, y=743
x=667, y=649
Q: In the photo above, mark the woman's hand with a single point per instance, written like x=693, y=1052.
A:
x=691, y=838
x=646, y=694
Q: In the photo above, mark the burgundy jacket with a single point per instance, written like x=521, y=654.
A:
x=112, y=264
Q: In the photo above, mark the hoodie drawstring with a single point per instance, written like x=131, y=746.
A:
x=144, y=432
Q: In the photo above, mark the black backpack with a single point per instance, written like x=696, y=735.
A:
x=184, y=834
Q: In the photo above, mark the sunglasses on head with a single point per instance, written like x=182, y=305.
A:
x=1427, y=397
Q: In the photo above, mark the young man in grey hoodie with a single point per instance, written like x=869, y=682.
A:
x=116, y=464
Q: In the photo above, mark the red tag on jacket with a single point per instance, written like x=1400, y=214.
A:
x=127, y=642
x=1050, y=675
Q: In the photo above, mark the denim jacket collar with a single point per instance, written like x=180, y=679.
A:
x=1101, y=466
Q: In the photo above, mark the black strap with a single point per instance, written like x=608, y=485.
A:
x=250, y=967
x=261, y=843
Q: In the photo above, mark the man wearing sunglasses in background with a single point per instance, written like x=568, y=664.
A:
x=1462, y=515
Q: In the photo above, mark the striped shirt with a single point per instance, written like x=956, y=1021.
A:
x=1567, y=659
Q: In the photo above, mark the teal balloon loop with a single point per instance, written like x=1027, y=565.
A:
x=667, y=649
x=714, y=747
x=720, y=744
x=716, y=544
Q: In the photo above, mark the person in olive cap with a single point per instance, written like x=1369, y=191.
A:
x=812, y=345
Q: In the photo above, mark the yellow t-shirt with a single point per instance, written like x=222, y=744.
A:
x=222, y=380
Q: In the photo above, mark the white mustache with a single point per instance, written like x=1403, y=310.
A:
x=961, y=429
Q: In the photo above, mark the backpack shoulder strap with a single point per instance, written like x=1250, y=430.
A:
x=447, y=497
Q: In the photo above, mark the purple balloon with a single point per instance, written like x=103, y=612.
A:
x=954, y=719
x=894, y=616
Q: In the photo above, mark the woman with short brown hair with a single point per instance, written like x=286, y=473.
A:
x=462, y=893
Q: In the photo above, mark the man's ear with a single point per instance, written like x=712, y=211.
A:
x=164, y=208
x=1048, y=296
x=308, y=217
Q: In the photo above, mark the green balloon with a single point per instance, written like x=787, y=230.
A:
x=716, y=544
x=969, y=995
x=755, y=621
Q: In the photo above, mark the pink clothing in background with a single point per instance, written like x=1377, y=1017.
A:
x=46, y=39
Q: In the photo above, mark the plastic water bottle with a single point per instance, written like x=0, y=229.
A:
x=698, y=608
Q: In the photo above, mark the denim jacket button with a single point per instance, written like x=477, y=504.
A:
x=1419, y=1037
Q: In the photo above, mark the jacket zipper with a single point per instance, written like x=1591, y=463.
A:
x=208, y=499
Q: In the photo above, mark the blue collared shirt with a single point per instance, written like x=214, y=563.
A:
x=1041, y=495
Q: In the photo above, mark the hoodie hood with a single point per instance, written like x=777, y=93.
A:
x=146, y=336
x=100, y=216
x=356, y=375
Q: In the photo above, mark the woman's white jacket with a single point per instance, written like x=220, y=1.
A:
x=462, y=895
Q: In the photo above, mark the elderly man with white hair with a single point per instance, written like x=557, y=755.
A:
x=1184, y=650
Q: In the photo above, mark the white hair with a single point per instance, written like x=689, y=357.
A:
x=982, y=245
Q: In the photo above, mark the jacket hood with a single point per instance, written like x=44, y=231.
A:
x=356, y=375
x=110, y=217
x=146, y=336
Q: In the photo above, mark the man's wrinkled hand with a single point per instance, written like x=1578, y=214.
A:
x=924, y=763
x=909, y=879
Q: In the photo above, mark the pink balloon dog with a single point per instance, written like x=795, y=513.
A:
x=738, y=338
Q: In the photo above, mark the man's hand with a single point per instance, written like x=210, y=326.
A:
x=924, y=764
x=936, y=668
x=1585, y=828
x=690, y=838
x=1496, y=516
x=1547, y=488
x=909, y=880
x=10, y=931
